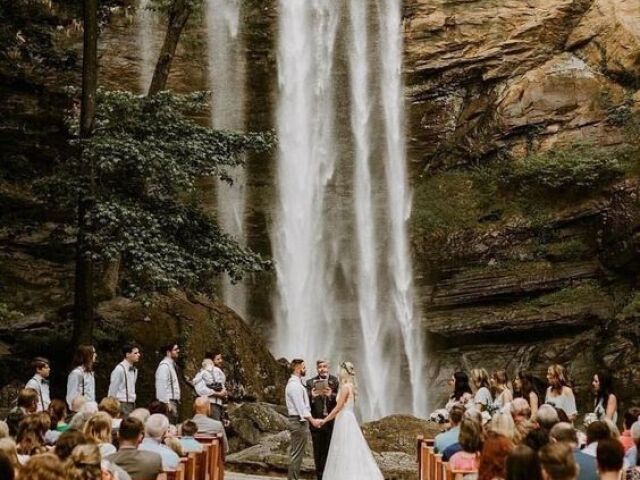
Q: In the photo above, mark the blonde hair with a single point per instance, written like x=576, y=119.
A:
x=480, y=377
x=174, y=444
x=347, y=375
x=503, y=424
x=559, y=373
x=84, y=463
x=98, y=428
x=43, y=467
x=10, y=449
x=110, y=405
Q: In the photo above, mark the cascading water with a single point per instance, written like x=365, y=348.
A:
x=374, y=376
x=147, y=21
x=398, y=195
x=313, y=320
x=305, y=119
x=226, y=82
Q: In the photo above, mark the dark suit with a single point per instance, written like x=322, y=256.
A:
x=140, y=465
x=321, y=406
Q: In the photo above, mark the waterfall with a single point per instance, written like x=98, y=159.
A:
x=370, y=317
x=305, y=121
x=227, y=84
x=374, y=378
x=399, y=198
x=147, y=23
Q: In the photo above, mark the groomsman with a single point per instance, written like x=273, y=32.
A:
x=220, y=389
x=40, y=383
x=322, y=390
x=167, y=384
x=124, y=377
x=299, y=412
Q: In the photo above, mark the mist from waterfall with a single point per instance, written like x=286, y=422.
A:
x=374, y=374
x=324, y=299
x=391, y=87
x=306, y=316
x=227, y=84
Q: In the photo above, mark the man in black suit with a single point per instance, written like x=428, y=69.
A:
x=322, y=390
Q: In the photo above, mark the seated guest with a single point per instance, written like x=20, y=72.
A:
x=190, y=444
x=609, y=457
x=566, y=433
x=82, y=415
x=521, y=413
x=139, y=464
x=502, y=424
x=207, y=426
x=67, y=442
x=173, y=443
x=111, y=406
x=156, y=406
x=536, y=439
x=495, y=450
x=98, y=430
x=469, y=444
x=30, y=438
x=7, y=470
x=631, y=457
x=141, y=414
x=557, y=462
x=58, y=413
x=84, y=463
x=630, y=417
x=546, y=417
x=43, y=467
x=9, y=449
x=586, y=458
x=523, y=464
x=445, y=439
x=155, y=431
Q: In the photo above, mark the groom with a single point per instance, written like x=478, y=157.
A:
x=322, y=389
x=299, y=412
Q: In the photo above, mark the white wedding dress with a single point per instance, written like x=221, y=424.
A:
x=349, y=455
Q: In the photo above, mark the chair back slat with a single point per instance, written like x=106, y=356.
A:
x=190, y=467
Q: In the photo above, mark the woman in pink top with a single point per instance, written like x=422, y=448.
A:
x=470, y=439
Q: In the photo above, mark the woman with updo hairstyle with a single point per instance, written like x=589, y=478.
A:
x=523, y=464
x=559, y=394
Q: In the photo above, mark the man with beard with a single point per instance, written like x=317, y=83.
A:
x=322, y=390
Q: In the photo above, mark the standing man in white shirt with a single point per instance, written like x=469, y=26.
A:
x=219, y=387
x=40, y=383
x=81, y=381
x=300, y=417
x=167, y=384
x=123, y=379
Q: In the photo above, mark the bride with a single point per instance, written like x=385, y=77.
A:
x=349, y=455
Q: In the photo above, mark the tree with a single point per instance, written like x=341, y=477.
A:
x=83, y=303
x=179, y=12
x=148, y=155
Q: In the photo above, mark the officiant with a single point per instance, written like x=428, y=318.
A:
x=322, y=390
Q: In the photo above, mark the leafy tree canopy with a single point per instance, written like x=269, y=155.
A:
x=147, y=155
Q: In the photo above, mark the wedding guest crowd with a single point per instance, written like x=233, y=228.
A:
x=79, y=439
x=524, y=429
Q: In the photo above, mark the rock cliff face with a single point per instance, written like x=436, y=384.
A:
x=522, y=276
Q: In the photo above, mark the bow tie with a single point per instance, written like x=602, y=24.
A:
x=132, y=369
x=44, y=382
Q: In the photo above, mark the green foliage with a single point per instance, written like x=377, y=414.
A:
x=8, y=315
x=575, y=168
x=581, y=294
x=147, y=156
x=569, y=249
x=632, y=309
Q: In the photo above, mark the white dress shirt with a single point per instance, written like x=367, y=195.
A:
x=123, y=382
x=41, y=386
x=81, y=382
x=167, y=385
x=297, y=399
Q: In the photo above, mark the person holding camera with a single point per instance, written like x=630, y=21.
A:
x=210, y=382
